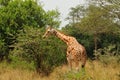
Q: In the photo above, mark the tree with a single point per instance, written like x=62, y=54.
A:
x=53, y=18
x=76, y=14
x=19, y=13
x=109, y=5
x=96, y=21
x=102, y=19
x=46, y=54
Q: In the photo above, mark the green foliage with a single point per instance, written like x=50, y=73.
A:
x=17, y=14
x=2, y=49
x=109, y=50
x=18, y=62
x=20, y=36
x=108, y=55
x=53, y=18
x=4, y=2
x=45, y=53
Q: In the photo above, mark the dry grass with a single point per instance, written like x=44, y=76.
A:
x=100, y=71
x=94, y=71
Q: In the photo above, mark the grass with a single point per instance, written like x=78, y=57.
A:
x=95, y=70
x=100, y=71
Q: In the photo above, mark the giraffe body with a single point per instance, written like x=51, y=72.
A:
x=75, y=51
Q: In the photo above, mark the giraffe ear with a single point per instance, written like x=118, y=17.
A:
x=47, y=26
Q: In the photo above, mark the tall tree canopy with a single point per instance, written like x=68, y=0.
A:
x=16, y=14
x=98, y=19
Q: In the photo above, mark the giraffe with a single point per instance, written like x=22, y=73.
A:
x=75, y=51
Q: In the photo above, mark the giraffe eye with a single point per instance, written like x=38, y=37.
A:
x=48, y=31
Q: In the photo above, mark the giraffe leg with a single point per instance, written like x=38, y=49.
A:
x=77, y=65
x=69, y=63
x=83, y=62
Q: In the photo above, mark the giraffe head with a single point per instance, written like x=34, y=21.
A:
x=49, y=31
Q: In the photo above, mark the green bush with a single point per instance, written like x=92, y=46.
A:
x=108, y=55
x=45, y=53
x=2, y=49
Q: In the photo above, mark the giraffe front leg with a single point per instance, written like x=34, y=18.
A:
x=69, y=63
x=77, y=65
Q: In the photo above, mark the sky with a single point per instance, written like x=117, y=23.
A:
x=63, y=7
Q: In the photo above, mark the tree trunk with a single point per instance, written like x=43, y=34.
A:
x=95, y=45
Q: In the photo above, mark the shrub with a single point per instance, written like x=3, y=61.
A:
x=108, y=55
x=45, y=53
x=2, y=49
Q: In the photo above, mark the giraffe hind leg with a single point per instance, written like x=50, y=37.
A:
x=82, y=65
x=83, y=62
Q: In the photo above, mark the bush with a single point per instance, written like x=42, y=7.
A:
x=2, y=50
x=108, y=55
x=45, y=53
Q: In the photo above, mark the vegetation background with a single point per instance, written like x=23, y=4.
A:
x=24, y=55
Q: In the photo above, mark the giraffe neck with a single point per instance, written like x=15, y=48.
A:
x=62, y=36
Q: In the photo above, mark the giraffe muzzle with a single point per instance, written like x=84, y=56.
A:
x=43, y=36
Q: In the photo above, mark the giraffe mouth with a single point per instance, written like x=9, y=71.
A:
x=43, y=36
